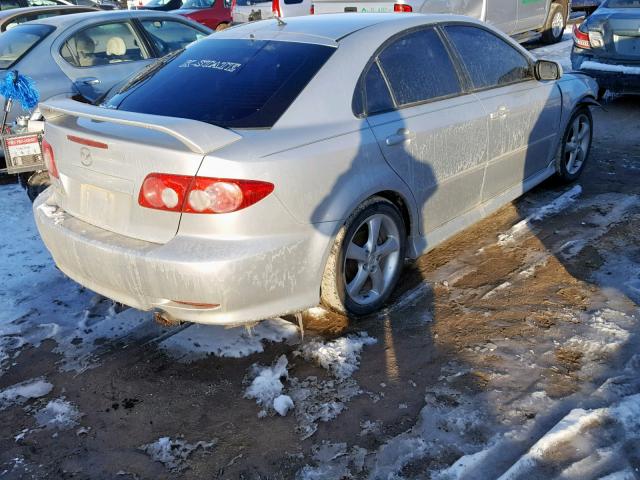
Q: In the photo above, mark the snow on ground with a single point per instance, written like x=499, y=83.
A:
x=552, y=208
x=266, y=386
x=341, y=357
x=58, y=414
x=23, y=391
x=198, y=341
x=173, y=454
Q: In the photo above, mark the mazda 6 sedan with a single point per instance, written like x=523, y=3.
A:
x=275, y=166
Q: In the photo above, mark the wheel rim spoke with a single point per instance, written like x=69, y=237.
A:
x=374, y=232
x=571, y=147
x=355, y=286
x=356, y=252
x=571, y=162
x=390, y=246
x=377, y=279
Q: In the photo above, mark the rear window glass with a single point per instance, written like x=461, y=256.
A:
x=230, y=83
x=16, y=42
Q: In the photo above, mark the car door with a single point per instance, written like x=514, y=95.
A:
x=97, y=57
x=523, y=113
x=431, y=133
x=502, y=14
x=168, y=35
x=531, y=14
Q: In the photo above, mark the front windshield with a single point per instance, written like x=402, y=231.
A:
x=623, y=4
x=198, y=4
x=16, y=42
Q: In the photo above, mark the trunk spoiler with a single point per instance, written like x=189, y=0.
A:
x=199, y=137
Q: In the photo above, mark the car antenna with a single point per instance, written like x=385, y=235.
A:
x=281, y=23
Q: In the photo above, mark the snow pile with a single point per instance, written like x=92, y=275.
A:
x=59, y=414
x=340, y=357
x=556, y=206
x=21, y=392
x=266, y=387
x=607, y=67
x=173, y=454
x=198, y=341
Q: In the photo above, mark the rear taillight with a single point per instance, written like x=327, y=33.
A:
x=180, y=193
x=312, y=9
x=233, y=5
x=49, y=159
x=275, y=8
x=402, y=8
x=580, y=38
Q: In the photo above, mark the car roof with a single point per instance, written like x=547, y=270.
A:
x=25, y=10
x=333, y=26
x=63, y=21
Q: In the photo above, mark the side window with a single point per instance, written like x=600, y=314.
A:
x=169, y=35
x=28, y=18
x=419, y=68
x=103, y=45
x=377, y=96
x=490, y=61
x=42, y=3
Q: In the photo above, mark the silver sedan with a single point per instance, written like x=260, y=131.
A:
x=276, y=166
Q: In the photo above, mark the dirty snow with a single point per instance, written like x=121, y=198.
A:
x=198, y=341
x=58, y=414
x=341, y=357
x=606, y=67
x=560, y=203
x=266, y=386
x=173, y=454
x=24, y=391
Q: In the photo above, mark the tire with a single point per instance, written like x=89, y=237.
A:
x=347, y=265
x=573, y=152
x=222, y=26
x=37, y=183
x=555, y=25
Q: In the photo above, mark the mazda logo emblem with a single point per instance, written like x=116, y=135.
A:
x=85, y=157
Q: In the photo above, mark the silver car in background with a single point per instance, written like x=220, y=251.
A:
x=86, y=54
x=292, y=164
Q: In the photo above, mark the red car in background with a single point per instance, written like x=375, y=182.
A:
x=215, y=14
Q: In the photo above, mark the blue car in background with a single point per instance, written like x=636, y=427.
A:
x=606, y=46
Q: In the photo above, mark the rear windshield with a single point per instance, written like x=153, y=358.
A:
x=197, y=4
x=17, y=41
x=230, y=83
x=250, y=3
x=623, y=4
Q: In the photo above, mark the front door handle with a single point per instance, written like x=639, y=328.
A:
x=502, y=112
x=90, y=81
x=401, y=136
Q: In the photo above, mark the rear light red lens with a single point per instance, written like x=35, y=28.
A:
x=312, y=10
x=580, y=38
x=401, y=7
x=179, y=193
x=49, y=159
x=275, y=8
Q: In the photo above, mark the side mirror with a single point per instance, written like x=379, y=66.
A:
x=547, y=70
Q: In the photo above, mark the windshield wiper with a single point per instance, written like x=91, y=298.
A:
x=149, y=70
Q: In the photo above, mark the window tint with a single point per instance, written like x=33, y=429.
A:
x=419, y=68
x=378, y=98
x=17, y=42
x=228, y=82
x=490, y=60
x=198, y=4
x=103, y=45
x=169, y=35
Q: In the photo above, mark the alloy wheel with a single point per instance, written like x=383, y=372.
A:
x=578, y=142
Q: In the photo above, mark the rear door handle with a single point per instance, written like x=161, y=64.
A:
x=90, y=81
x=401, y=136
x=502, y=112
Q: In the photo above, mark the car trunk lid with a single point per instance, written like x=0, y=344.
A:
x=103, y=156
x=621, y=34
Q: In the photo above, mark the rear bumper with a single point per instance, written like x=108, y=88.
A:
x=249, y=278
x=617, y=77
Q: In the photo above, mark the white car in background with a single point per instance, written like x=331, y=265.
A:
x=513, y=17
x=243, y=11
x=135, y=4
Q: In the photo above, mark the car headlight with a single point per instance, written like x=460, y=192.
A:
x=595, y=39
